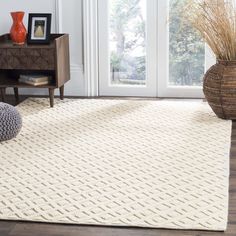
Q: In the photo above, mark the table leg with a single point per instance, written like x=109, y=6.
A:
x=3, y=91
x=62, y=92
x=16, y=92
x=51, y=96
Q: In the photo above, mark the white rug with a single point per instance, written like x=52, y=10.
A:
x=160, y=164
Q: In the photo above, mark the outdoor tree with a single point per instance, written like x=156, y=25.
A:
x=128, y=33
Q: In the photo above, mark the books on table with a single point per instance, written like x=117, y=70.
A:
x=35, y=80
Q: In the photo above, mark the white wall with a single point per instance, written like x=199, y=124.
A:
x=67, y=18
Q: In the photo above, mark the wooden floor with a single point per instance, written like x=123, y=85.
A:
x=8, y=228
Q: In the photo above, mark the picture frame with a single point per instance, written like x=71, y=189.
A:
x=39, y=28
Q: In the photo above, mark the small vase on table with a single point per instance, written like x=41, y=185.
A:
x=18, y=31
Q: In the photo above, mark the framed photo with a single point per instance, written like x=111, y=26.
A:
x=39, y=28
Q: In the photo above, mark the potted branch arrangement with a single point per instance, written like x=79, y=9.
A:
x=216, y=22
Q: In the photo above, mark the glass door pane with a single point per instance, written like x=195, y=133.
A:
x=127, y=42
x=186, y=49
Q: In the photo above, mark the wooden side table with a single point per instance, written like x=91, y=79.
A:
x=51, y=60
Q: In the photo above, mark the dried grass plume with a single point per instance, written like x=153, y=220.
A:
x=216, y=22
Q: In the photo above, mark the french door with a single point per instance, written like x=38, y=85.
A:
x=146, y=50
x=127, y=46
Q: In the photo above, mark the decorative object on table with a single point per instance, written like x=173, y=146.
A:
x=35, y=80
x=216, y=22
x=10, y=122
x=52, y=60
x=39, y=28
x=18, y=31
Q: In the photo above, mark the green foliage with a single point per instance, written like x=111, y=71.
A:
x=187, y=50
x=116, y=61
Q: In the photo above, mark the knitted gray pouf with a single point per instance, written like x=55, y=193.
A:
x=10, y=122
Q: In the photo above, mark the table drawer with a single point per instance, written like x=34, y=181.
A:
x=30, y=59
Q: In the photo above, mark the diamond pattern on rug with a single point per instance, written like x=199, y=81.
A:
x=160, y=164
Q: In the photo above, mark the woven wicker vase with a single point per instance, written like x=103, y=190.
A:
x=220, y=89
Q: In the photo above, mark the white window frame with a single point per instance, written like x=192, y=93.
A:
x=90, y=45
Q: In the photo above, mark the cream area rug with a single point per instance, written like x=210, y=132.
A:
x=160, y=164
